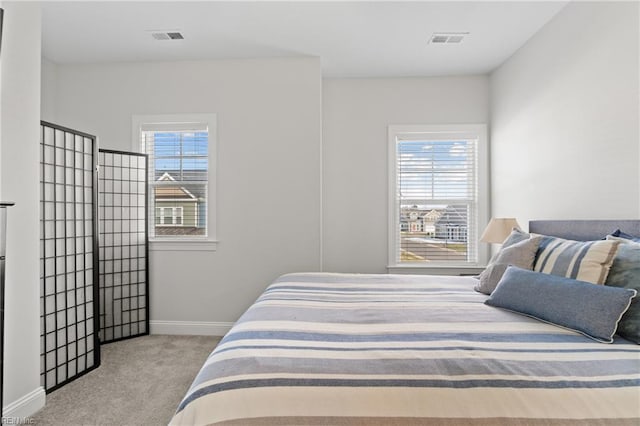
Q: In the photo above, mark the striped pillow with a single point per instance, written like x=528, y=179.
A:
x=588, y=261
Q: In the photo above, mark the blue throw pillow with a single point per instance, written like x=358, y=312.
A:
x=625, y=273
x=620, y=234
x=515, y=237
x=593, y=310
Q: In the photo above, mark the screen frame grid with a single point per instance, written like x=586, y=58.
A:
x=113, y=304
x=65, y=226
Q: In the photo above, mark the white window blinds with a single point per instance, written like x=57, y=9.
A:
x=178, y=178
x=435, y=198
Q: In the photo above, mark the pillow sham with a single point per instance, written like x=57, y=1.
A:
x=521, y=254
x=516, y=236
x=625, y=273
x=588, y=261
x=620, y=234
x=592, y=310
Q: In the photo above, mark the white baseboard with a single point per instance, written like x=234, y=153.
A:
x=192, y=328
x=26, y=406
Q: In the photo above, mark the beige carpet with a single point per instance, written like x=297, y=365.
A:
x=140, y=382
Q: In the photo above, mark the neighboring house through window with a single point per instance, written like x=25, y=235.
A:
x=169, y=216
x=181, y=152
x=437, y=195
x=173, y=202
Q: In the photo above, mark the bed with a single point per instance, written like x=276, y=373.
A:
x=358, y=349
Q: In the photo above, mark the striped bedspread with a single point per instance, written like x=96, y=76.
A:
x=347, y=349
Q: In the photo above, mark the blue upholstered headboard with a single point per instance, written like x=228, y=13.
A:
x=583, y=230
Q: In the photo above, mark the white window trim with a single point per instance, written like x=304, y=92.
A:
x=210, y=242
x=442, y=131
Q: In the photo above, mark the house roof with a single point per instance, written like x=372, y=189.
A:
x=172, y=191
x=453, y=215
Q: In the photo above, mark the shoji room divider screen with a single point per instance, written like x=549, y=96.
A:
x=93, y=251
x=68, y=255
x=124, y=247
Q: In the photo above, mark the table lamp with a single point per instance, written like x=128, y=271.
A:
x=499, y=229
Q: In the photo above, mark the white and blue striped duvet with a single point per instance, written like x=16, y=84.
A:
x=389, y=349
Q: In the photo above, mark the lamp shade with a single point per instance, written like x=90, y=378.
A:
x=499, y=229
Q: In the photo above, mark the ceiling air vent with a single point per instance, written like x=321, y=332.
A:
x=447, y=38
x=166, y=35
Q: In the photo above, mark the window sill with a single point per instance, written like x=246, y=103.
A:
x=182, y=245
x=435, y=270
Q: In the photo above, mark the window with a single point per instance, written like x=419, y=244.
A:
x=181, y=164
x=437, y=195
x=168, y=216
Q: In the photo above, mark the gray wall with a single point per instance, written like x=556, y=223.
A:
x=19, y=170
x=268, y=168
x=49, y=86
x=565, y=116
x=356, y=114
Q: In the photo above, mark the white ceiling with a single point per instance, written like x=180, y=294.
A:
x=353, y=39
